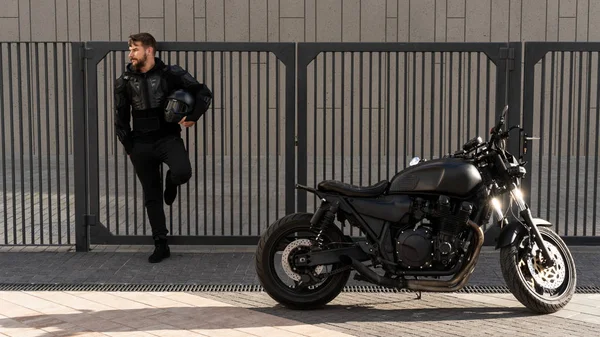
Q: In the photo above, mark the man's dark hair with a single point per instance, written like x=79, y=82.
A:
x=146, y=39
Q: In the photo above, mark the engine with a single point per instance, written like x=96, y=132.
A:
x=433, y=243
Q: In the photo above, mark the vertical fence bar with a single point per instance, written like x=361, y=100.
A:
x=79, y=147
x=125, y=169
x=324, y=154
x=230, y=145
x=21, y=155
x=30, y=141
x=560, y=128
x=587, y=144
x=314, y=131
x=388, y=122
x=333, y=125
x=249, y=143
x=39, y=138
x=12, y=137
x=578, y=139
x=268, y=150
x=196, y=156
x=360, y=121
x=57, y=130
x=205, y=223
x=597, y=141
x=66, y=128
x=379, y=108
x=289, y=188
x=542, y=114
x=239, y=138
x=258, y=127
x=432, y=112
x=551, y=124
x=423, y=105
x=92, y=126
x=2, y=128
x=397, y=109
x=106, y=174
x=570, y=118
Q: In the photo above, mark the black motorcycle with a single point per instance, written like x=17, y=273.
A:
x=422, y=229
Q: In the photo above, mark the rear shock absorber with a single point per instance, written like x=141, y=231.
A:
x=326, y=220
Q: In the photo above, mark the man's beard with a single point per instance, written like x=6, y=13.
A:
x=140, y=63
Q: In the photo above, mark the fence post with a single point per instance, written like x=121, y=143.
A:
x=287, y=55
x=82, y=242
x=532, y=56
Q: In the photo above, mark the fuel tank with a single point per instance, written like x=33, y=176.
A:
x=449, y=176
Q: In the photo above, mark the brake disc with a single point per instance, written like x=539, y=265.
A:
x=285, y=261
x=547, y=277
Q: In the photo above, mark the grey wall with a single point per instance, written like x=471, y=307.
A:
x=301, y=21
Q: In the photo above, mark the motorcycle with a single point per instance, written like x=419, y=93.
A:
x=423, y=229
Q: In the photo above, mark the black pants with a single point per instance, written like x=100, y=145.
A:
x=147, y=158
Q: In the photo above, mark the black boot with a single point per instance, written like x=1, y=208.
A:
x=170, y=190
x=161, y=251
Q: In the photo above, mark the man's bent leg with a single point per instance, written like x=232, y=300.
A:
x=173, y=153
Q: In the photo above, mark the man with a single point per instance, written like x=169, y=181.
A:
x=141, y=92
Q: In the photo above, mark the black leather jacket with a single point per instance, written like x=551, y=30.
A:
x=143, y=96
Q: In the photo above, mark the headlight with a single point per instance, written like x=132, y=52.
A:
x=497, y=208
x=414, y=161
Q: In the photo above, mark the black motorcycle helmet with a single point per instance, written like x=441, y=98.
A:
x=179, y=104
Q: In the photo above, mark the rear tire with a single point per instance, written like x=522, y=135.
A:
x=301, y=298
x=542, y=291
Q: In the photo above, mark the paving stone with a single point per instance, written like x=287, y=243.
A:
x=208, y=268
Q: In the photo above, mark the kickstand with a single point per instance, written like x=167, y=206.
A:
x=418, y=292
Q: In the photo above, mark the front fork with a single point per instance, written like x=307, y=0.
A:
x=525, y=212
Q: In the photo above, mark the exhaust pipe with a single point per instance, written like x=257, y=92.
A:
x=460, y=279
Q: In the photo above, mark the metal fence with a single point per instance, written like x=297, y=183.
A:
x=241, y=150
x=36, y=136
x=363, y=110
x=561, y=99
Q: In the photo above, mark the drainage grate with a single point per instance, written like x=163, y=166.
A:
x=467, y=289
x=237, y=288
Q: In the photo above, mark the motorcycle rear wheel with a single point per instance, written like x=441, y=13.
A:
x=294, y=230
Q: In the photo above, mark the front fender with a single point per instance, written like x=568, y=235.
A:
x=515, y=229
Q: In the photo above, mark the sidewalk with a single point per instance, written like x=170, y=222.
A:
x=204, y=265
x=254, y=313
x=93, y=314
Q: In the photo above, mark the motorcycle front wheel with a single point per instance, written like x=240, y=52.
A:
x=298, y=287
x=542, y=289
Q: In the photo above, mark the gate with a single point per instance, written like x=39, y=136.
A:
x=242, y=150
x=560, y=105
x=36, y=152
x=365, y=109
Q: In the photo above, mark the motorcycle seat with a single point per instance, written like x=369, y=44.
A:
x=352, y=190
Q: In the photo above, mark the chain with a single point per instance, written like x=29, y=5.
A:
x=339, y=270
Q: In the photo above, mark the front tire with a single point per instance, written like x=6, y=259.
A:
x=279, y=236
x=542, y=290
